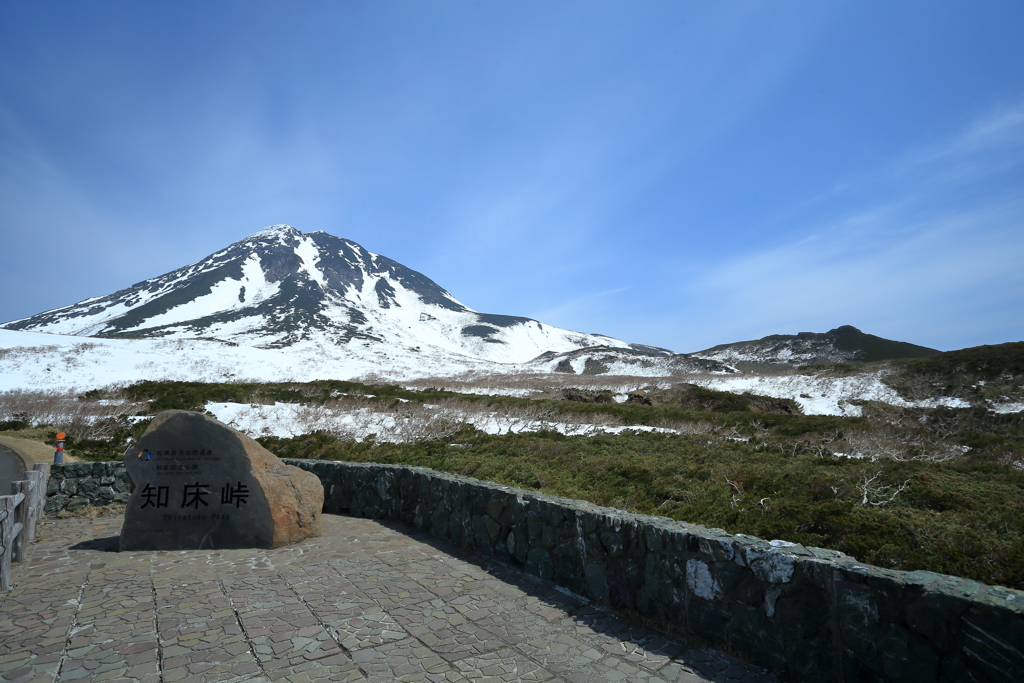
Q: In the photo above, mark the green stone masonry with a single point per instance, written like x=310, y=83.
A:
x=77, y=485
x=807, y=613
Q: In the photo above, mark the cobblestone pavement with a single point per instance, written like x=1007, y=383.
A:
x=367, y=601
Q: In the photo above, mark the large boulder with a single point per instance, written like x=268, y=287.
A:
x=197, y=483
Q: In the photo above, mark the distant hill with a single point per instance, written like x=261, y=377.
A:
x=985, y=376
x=844, y=344
x=987, y=362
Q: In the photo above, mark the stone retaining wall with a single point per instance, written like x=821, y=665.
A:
x=808, y=614
x=75, y=485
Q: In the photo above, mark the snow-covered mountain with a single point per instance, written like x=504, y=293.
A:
x=639, y=361
x=844, y=344
x=280, y=287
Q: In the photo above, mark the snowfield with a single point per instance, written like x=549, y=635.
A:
x=37, y=361
x=816, y=395
x=405, y=424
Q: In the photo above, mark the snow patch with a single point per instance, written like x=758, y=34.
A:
x=310, y=256
x=224, y=296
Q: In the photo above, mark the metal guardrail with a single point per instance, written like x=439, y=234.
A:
x=20, y=513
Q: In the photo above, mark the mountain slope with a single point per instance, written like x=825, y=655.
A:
x=280, y=287
x=989, y=376
x=637, y=361
x=844, y=344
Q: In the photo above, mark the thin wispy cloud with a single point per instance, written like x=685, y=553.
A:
x=897, y=267
x=634, y=170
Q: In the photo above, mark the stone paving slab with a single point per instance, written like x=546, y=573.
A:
x=367, y=601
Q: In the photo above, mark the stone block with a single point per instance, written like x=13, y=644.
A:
x=770, y=566
x=597, y=583
x=647, y=604
x=493, y=528
x=55, y=504
x=534, y=524
x=715, y=544
x=613, y=543
x=538, y=563
x=78, y=469
x=701, y=582
x=439, y=520
x=992, y=641
x=653, y=538
x=802, y=611
x=90, y=488
x=707, y=620
x=588, y=519
x=810, y=661
x=934, y=614
x=522, y=543
x=549, y=536
x=749, y=631
x=907, y=656
x=859, y=624
x=481, y=539
x=77, y=503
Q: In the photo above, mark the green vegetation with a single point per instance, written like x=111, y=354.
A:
x=195, y=395
x=979, y=375
x=116, y=433
x=872, y=348
x=942, y=520
x=986, y=362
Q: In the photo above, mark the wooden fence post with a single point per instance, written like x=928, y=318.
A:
x=24, y=488
x=7, y=504
x=20, y=515
x=42, y=474
x=35, y=506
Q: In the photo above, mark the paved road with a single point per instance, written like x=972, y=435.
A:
x=10, y=470
x=367, y=601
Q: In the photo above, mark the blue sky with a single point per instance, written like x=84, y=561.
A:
x=673, y=173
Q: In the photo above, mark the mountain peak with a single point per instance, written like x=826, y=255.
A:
x=281, y=231
x=279, y=287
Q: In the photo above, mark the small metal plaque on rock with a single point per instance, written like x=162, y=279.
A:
x=198, y=483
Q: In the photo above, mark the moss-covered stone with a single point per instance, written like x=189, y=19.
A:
x=77, y=503
x=54, y=503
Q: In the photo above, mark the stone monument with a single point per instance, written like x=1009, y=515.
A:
x=197, y=483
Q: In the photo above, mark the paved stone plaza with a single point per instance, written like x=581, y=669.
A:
x=367, y=601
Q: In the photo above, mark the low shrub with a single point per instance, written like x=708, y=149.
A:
x=902, y=515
